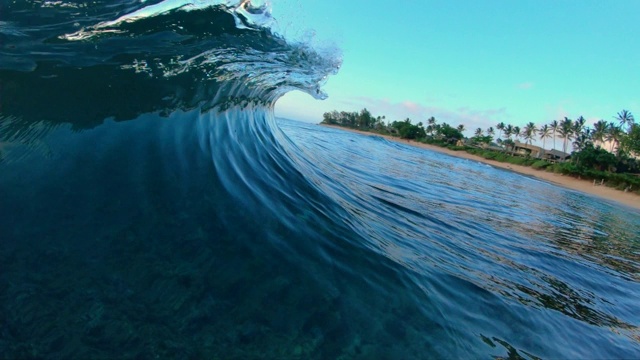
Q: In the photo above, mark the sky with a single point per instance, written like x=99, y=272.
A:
x=471, y=62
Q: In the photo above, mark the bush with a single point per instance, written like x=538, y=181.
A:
x=623, y=180
x=488, y=154
x=540, y=164
x=556, y=168
x=569, y=169
x=433, y=141
x=516, y=160
x=502, y=157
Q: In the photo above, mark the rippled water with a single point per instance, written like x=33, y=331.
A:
x=510, y=260
x=152, y=206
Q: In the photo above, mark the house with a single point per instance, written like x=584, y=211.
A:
x=465, y=142
x=556, y=155
x=492, y=146
x=523, y=149
x=472, y=143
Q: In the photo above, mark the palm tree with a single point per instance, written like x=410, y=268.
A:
x=589, y=133
x=500, y=127
x=508, y=131
x=529, y=132
x=461, y=128
x=599, y=133
x=581, y=141
x=565, y=130
x=544, y=132
x=491, y=132
x=554, y=127
x=625, y=118
x=614, y=135
x=516, y=132
x=478, y=132
x=578, y=126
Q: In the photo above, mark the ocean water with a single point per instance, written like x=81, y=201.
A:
x=152, y=206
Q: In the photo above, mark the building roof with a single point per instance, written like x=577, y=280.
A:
x=527, y=146
x=494, y=147
x=557, y=153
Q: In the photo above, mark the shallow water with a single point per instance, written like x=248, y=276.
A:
x=151, y=206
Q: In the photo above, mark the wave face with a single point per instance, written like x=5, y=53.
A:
x=151, y=206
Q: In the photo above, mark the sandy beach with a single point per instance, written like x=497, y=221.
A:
x=586, y=186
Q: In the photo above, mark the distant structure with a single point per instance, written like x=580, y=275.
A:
x=555, y=155
x=537, y=152
x=523, y=149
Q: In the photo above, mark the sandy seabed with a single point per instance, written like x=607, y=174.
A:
x=587, y=186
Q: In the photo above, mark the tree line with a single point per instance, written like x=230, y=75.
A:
x=405, y=129
x=600, y=151
x=621, y=137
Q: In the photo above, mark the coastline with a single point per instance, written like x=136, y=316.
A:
x=586, y=186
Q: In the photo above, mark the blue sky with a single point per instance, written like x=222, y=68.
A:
x=472, y=62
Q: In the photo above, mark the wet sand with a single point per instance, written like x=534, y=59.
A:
x=586, y=186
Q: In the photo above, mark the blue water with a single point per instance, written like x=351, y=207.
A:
x=151, y=206
x=512, y=261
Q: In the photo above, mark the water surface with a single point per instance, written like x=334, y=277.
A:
x=152, y=206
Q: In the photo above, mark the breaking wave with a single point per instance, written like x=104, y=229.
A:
x=151, y=206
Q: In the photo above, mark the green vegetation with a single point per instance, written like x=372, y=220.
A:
x=608, y=153
x=631, y=142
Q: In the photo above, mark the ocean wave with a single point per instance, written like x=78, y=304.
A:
x=151, y=206
x=123, y=59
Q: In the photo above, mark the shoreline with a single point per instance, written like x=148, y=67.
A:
x=586, y=186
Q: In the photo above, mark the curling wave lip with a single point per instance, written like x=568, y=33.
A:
x=155, y=58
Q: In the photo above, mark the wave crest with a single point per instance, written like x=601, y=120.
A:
x=160, y=57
